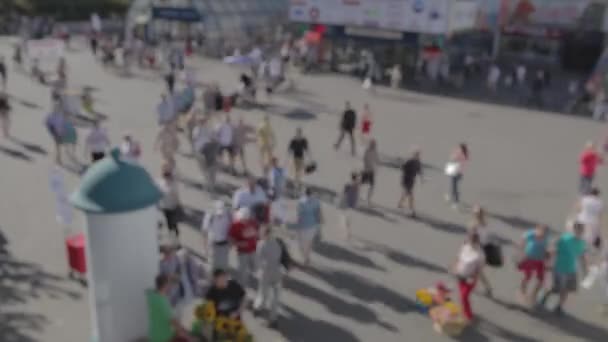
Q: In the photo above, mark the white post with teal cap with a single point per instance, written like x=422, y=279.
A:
x=119, y=200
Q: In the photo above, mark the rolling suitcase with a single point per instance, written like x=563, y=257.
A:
x=75, y=246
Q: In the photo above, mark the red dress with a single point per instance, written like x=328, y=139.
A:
x=366, y=126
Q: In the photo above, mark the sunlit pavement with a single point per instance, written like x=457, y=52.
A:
x=523, y=169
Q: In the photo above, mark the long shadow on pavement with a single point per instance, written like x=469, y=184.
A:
x=401, y=258
x=354, y=311
x=567, y=323
x=21, y=283
x=16, y=154
x=514, y=221
x=484, y=330
x=296, y=327
x=364, y=290
x=339, y=253
x=30, y=147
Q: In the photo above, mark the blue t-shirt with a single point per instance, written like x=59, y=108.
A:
x=308, y=213
x=535, y=249
x=569, y=250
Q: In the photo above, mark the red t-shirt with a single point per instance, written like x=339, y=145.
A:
x=589, y=162
x=245, y=235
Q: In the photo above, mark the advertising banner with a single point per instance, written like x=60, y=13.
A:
x=47, y=50
x=463, y=15
x=422, y=16
x=522, y=13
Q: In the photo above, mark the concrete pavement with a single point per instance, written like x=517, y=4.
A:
x=523, y=169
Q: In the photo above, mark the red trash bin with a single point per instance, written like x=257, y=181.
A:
x=75, y=245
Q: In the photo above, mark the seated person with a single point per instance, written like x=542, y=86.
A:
x=227, y=295
x=440, y=293
x=163, y=326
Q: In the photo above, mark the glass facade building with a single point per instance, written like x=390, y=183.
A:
x=222, y=19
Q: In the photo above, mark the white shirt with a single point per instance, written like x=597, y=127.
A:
x=130, y=150
x=225, y=134
x=275, y=67
x=244, y=198
x=97, y=140
x=469, y=260
x=591, y=209
x=170, y=199
x=521, y=73
x=216, y=226
x=494, y=75
x=278, y=211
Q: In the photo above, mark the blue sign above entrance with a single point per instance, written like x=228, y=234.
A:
x=188, y=14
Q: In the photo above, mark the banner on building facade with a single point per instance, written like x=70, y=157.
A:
x=185, y=14
x=463, y=15
x=422, y=16
x=513, y=14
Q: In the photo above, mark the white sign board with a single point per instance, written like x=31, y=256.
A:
x=463, y=15
x=45, y=49
x=423, y=16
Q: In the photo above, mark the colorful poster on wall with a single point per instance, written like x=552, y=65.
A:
x=423, y=16
x=527, y=13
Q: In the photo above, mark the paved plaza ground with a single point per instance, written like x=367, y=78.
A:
x=523, y=169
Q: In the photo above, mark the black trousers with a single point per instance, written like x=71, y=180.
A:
x=172, y=217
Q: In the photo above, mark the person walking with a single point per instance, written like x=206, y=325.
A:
x=370, y=164
x=269, y=256
x=308, y=226
x=244, y=233
x=568, y=251
x=493, y=77
x=62, y=73
x=486, y=239
x=56, y=124
x=170, y=201
x=366, y=124
x=349, y=201
x=130, y=148
x=215, y=227
x=469, y=264
x=410, y=170
x=239, y=142
x=170, y=77
x=396, y=76
x=206, y=151
x=5, y=114
x=298, y=150
x=166, y=110
x=167, y=142
x=589, y=160
x=97, y=142
x=3, y=72
x=454, y=170
x=266, y=142
x=225, y=137
x=277, y=178
x=534, y=252
x=589, y=211
x=347, y=127
x=249, y=196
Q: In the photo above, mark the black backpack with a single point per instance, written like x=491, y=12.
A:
x=286, y=259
